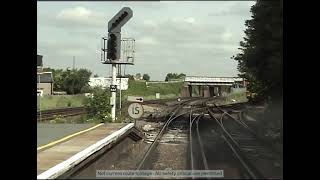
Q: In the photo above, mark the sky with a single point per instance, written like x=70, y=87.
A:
x=197, y=38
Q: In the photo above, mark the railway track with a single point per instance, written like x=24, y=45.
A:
x=177, y=116
x=208, y=151
x=62, y=112
x=219, y=129
x=174, y=114
x=256, y=156
x=196, y=144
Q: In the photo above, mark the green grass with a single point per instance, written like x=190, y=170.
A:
x=139, y=88
x=51, y=102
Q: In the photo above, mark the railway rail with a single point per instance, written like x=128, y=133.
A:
x=196, y=144
x=63, y=112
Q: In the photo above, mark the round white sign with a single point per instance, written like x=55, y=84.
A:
x=135, y=110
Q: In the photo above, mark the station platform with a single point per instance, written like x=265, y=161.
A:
x=55, y=160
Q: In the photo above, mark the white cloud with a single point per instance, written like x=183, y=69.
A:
x=71, y=52
x=79, y=16
x=168, y=3
x=190, y=20
x=76, y=14
x=235, y=9
x=147, y=41
x=227, y=36
x=149, y=23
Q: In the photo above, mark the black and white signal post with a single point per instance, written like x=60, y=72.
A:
x=114, y=49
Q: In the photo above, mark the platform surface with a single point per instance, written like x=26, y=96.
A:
x=47, y=133
x=58, y=153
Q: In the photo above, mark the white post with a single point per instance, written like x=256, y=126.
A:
x=113, y=94
x=39, y=99
x=120, y=96
x=120, y=89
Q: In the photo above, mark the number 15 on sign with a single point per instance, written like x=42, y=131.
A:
x=135, y=110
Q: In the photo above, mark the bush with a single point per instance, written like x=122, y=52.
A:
x=98, y=106
x=86, y=89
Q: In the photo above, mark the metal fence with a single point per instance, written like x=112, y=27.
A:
x=127, y=51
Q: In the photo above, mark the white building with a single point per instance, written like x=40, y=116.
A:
x=106, y=82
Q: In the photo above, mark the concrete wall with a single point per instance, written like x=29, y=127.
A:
x=46, y=87
x=206, y=91
x=123, y=155
x=185, y=91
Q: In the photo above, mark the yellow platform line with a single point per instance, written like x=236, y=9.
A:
x=67, y=137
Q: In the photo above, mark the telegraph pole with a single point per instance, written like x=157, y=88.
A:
x=74, y=61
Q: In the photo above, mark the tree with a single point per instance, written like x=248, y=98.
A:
x=57, y=79
x=96, y=75
x=174, y=76
x=181, y=76
x=72, y=81
x=146, y=77
x=76, y=80
x=138, y=76
x=168, y=76
x=260, y=60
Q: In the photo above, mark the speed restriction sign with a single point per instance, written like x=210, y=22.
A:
x=135, y=110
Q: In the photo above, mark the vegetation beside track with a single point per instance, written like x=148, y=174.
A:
x=136, y=88
x=61, y=101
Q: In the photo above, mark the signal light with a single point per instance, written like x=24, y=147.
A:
x=114, y=29
x=125, y=14
x=115, y=24
x=113, y=46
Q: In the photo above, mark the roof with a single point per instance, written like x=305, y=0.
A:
x=45, y=77
x=39, y=60
x=205, y=79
